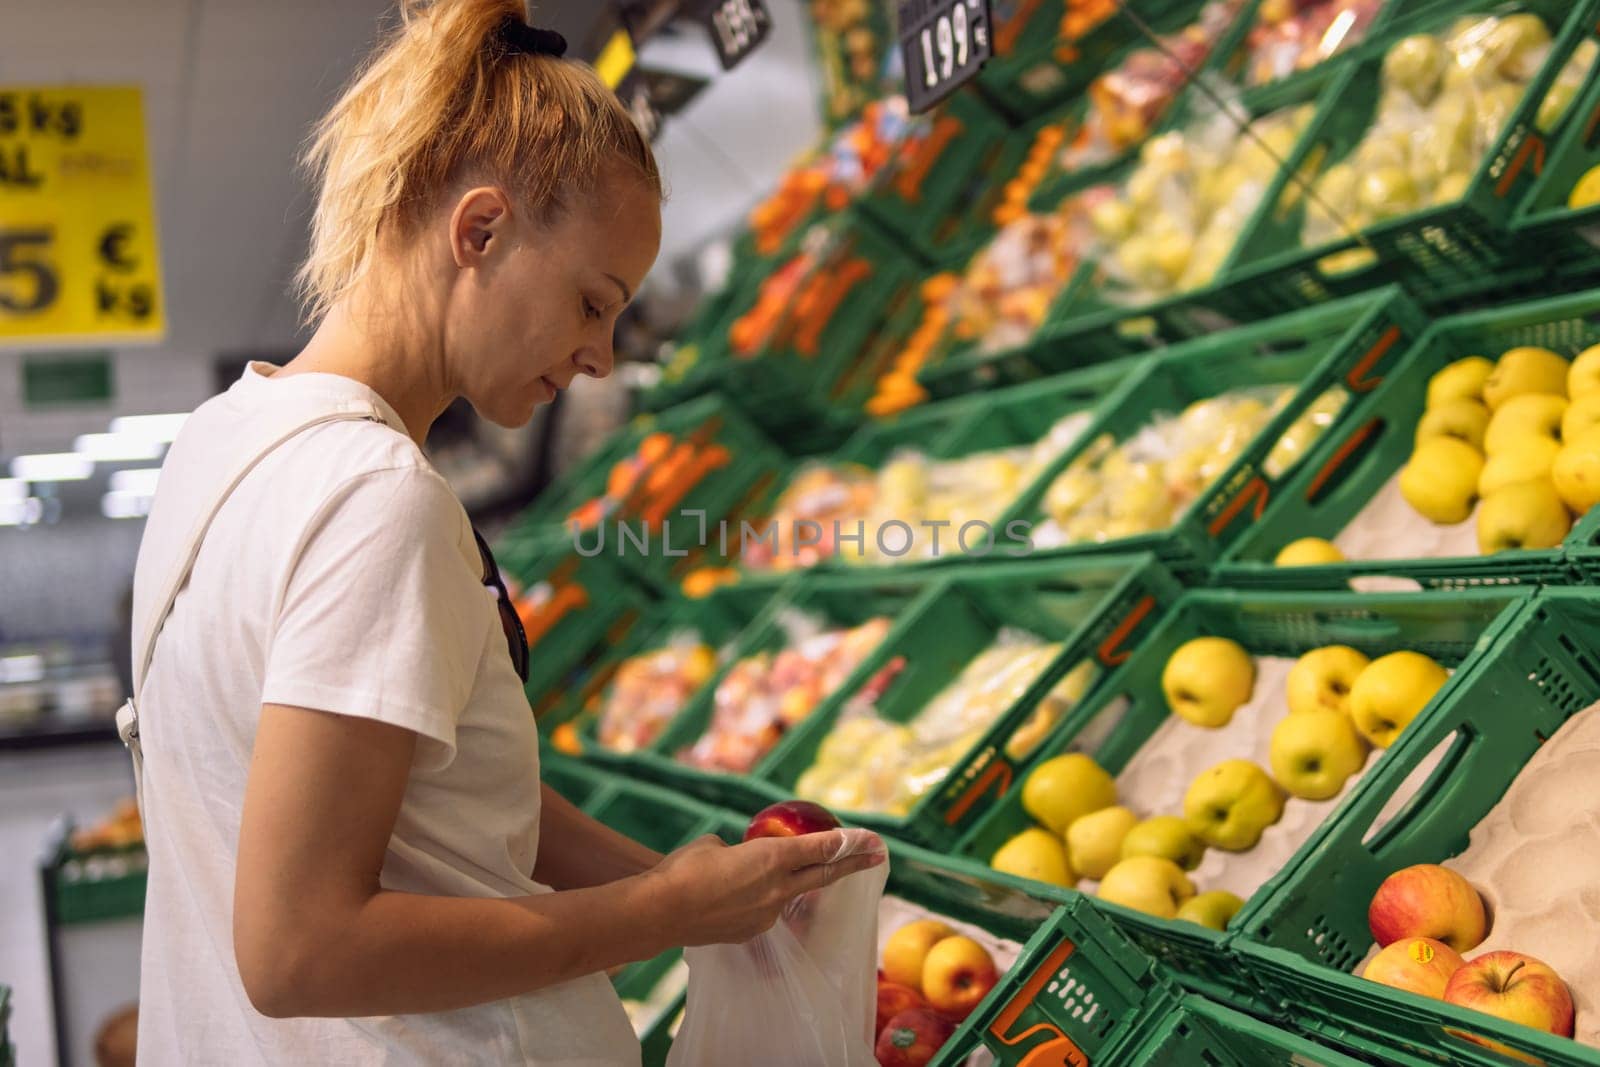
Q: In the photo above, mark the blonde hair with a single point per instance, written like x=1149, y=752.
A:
x=442, y=99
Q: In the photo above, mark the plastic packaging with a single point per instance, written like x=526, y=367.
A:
x=650, y=689
x=1295, y=35
x=763, y=696
x=800, y=995
x=1144, y=484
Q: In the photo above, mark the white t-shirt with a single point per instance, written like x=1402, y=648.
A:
x=340, y=575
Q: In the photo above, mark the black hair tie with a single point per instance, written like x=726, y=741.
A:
x=518, y=37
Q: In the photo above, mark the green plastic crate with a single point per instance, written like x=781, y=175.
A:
x=1546, y=229
x=1443, y=255
x=1200, y=1033
x=98, y=886
x=1349, y=344
x=1457, y=628
x=580, y=784
x=1348, y=467
x=1100, y=611
x=1300, y=943
x=838, y=602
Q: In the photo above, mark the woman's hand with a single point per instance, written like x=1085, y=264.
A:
x=714, y=893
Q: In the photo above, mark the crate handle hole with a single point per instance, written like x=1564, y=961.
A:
x=1418, y=793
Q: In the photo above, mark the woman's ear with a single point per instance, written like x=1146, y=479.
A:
x=481, y=215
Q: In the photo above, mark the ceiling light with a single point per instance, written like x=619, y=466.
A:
x=141, y=482
x=163, y=428
x=117, y=447
x=124, y=505
x=52, y=467
x=23, y=512
x=13, y=489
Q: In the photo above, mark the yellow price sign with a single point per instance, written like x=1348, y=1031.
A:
x=78, y=255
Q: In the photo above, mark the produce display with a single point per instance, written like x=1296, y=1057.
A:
x=867, y=764
x=1290, y=36
x=121, y=828
x=1173, y=223
x=1516, y=441
x=1446, y=99
x=1111, y=490
x=851, y=46
x=910, y=488
x=650, y=689
x=1339, y=706
x=660, y=461
x=931, y=979
x=764, y=696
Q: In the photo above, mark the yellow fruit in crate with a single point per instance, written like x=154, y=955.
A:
x=1524, y=460
x=1113, y=219
x=1583, y=415
x=1451, y=187
x=1525, y=515
x=1576, y=472
x=1036, y=854
x=1525, y=370
x=1416, y=64
x=1309, y=552
x=1094, y=842
x=1462, y=380
x=1587, y=192
x=1583, y=377
x=1387, y=191
x=1465, y=420
x=1149, y=884
x=1321, y=679
x=1215, y=909
x=1532, y=414
x=1168, y=837
x=847, y=792
x=1065, y=788
x=1229, y=805
x=1208, y=679
x=846, y=742
x=1391, y=692
x=1441, y=480
x=1315, y=752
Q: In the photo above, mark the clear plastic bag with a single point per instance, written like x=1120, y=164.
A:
x=802, y=994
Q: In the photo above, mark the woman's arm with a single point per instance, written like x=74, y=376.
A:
x=315, y=935
x=577, y=852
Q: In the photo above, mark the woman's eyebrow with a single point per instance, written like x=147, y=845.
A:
x=626, y=294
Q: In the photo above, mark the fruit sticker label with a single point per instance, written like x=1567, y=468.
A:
x=78, y=255
x=1421, y=952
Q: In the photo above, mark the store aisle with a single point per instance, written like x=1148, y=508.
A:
x=35, y=788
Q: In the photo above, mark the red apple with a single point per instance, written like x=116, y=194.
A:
x=1418, y=964
x=894, y=998
x=957, y=975
x=1514, y=987
x=913, y=1038
x=791, y=818
x=1427, y=901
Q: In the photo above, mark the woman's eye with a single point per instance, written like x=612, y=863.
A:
x=590, y=311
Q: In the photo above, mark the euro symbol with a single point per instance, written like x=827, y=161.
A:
x=112, y=250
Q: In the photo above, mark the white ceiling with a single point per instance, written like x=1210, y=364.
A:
x=231, y=87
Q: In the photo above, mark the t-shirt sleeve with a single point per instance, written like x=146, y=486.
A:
x=384, y=614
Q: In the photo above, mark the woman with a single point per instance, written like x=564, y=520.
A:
x=352, y=859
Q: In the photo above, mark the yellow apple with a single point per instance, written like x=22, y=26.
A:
x=1149, y=884
x=1461, y=380
x=1528, y=415
x=1441, y=480
x=1527, y=459
x=1576, y=472
x=1465, y=420
x=907, y=949
x=1586, y=193
x=1416, y=64
x=1525, y=370
x=1583, y=414
x=1215, y=909
x=957, y=974
x=1094, y=842
x=1229, y=805
x=1321, y=679
x=1525, y=515
x=1391, y=692
x=1308, y=552
x=1036, y=854
x=1168, y=837
x=1418, y=964
x=1207, y=680
x=1315, y=752
x=1583, y=377
x=1065, y=788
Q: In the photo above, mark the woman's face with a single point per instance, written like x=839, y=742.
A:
x=535, y=304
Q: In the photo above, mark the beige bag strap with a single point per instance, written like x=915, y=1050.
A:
x=145, y=640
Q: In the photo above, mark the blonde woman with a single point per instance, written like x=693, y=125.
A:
x=351, y=857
